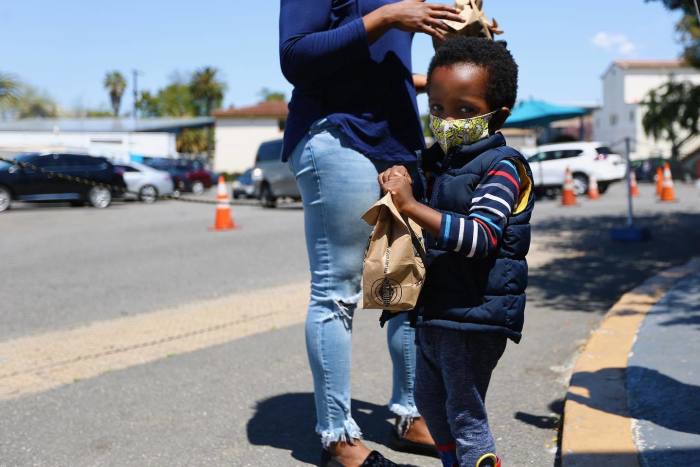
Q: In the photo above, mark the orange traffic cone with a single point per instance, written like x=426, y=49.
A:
x=568, y=197
x=659, y=181
x=634, y=189
x=593, y=192
x=667, y=193
x=223, y=220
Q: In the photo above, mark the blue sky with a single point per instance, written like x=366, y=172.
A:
x=65, y=47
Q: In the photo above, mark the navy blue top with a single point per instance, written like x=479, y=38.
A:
x=366, y=90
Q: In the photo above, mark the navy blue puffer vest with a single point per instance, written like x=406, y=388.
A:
x=475, y=294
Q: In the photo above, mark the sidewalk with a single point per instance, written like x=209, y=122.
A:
x=634, y=397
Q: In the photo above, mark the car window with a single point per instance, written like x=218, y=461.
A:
x=535, y=157
x=603, y=150
x=126, y=168
x=271, y=151
x=571, y=153
x=561, y=154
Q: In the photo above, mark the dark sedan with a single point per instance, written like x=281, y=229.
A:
x=30, y=180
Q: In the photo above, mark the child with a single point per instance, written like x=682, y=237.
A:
x=476, y=203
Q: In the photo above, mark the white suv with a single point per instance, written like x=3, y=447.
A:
x=549, y=164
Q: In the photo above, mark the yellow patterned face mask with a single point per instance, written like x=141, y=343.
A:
x=451, y=133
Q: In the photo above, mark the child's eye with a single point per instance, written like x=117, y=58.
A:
x=467, y=111
x=435, y=109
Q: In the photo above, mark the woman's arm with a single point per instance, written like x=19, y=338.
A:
x=308, y=50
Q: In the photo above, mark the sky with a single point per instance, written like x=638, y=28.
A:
x=65, y=47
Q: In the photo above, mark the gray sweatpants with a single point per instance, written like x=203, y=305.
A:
x=453, y=370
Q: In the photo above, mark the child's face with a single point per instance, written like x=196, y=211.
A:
x=459, y=91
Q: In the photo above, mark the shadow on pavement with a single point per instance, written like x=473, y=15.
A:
x=652, y=386
x=545, y=422
x=287, y=422
x=599, y=270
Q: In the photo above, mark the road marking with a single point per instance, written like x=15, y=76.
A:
x=597, y=424
x=38, y=363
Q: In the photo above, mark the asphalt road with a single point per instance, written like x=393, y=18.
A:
x=248, y=401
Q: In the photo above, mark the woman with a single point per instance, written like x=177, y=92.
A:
x=352, y=114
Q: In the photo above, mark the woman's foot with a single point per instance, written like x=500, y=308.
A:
x=354, y=454
x=412, y=435
x=416, y=431
x=349, y=454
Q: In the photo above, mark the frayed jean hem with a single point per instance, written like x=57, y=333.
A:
x=404, y=411
x=348, y=432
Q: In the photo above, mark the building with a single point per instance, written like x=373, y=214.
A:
x=239, y=132
x=118, y=138
x=625, y=85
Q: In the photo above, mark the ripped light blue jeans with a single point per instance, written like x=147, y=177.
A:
x=338, y=185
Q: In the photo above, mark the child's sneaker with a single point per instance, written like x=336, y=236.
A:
x=489, y=460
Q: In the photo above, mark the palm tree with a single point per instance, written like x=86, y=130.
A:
x=207, y=94
x=207, y=91
x=115, y=83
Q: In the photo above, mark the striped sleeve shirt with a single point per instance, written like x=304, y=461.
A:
x=479, y=233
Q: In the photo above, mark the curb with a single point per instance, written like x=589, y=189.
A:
x=597, y=429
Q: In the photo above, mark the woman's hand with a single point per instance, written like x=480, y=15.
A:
x=420, y=82
x=411, y=16
x=401, y=191
x=395, y=171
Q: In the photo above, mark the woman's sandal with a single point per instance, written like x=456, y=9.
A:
x=375, y=459
x=400, y=443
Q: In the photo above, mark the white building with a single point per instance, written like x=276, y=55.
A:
x=121, y=139
x=625, y=85
x=239, y=132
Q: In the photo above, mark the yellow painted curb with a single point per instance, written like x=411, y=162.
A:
x=597, y=427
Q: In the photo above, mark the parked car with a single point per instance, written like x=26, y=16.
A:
x=645, y=170
x=243, y=186
x=549, y=164
x=187, y=174
x=272, y=178
x=31, y=185
x=144, y=182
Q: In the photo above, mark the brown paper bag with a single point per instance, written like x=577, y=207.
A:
x=475, y=23
x=394, y=271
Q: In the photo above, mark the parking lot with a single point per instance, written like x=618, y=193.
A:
x=240, y=393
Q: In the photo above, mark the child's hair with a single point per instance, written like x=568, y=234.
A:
x=493, y=55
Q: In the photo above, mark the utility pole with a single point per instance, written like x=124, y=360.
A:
x=135, y=73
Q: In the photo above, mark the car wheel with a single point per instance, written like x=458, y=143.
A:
x=100, y=197
x=267, y=199
x=197, y=188
x=148, y=194
x=5, y=199
x=580, y=184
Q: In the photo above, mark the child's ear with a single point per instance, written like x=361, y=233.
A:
x=498, y=119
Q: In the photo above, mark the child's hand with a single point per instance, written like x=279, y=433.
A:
x=395, y=171
x=401, y=191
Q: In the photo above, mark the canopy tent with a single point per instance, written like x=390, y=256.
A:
x=536, y=113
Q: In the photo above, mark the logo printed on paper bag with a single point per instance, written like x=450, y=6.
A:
x=386, y=291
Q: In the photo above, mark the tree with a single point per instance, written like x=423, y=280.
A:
x=115, y=84
x=175, y=100
x=272, y=96
x=688, y=28
x=9, y=88
x=673, y=112
x=191, y=141
x=148, y=104
x=207, y=91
